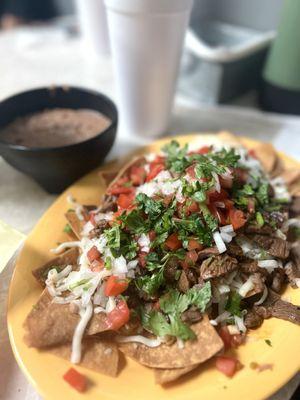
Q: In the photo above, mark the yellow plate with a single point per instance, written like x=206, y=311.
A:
x=136, y=382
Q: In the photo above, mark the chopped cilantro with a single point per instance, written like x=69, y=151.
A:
x=176, y=157
x=262, y=194
x=113, y=236
x=233, y=304
x=134, y=222
x=151, y=283
x=67, y=229
x=150, y=207
x=108, y=263
x=79, y=283
x=259, y=219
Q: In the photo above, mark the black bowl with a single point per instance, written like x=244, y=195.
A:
x=55, y=168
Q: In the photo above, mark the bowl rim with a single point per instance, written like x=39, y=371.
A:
x=109, y=102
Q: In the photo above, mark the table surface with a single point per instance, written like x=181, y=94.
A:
x=36, y=57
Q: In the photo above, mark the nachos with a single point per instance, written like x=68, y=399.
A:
x=188, y=250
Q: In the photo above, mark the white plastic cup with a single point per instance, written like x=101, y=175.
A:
x=93, y=25
x=146, y=39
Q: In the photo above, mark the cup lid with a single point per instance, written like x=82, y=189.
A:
x=149, y=6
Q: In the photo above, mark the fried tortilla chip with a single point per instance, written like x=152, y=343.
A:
x=50, y=324
x=75, y=223
x=108, y=176
x=68, y=258
x=97, y=355
x=207, y=344
x=291, y=176
x=169, y=375
x=267, y=155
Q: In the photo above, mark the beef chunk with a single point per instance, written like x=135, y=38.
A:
x=259, y=284
x=183, y=282
x=278, y=279
x=292, y=272
x=261, y=230
x=209, y=251
x=98, y=230
x=191, y=315
x=249, y=267
x=275, y=307
x=217, y=266
x=276, y=247
x=253, y=320
x=295, y=255
x=109, y=204
x=295, y=207
x=171, y=269
x=234, y=250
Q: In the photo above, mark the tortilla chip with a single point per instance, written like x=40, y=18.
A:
x=97, y=355
x=169, y=375
x=230, y=139
x=75, y=223
x=108, y=176
x=278, y=168
x=50, y=324
x=207, y=344
x=68, y=258
x=291, y=176
x=267, y=155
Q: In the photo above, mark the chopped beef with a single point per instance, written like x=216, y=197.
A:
x=292, y=272
x=98, y=230
x=234, y=250
x=253, y=320
x=109, y=204
x=171, y=269
x=183, y=282
x=295, y=255
x=249, y=267
x=259, y=284
x=261, y=230
x=209, y=251
x=278, y=280
x=217, y=266
x=295, y=207
x=191, y=315
x=277, y=217
x=276, y=247
x=275, y=307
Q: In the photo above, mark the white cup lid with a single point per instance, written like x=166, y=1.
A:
x=149, y=6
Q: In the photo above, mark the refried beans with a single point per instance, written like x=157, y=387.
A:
x=55, y=127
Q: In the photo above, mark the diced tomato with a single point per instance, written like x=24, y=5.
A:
x=219, y=214
x=190, y=259
x=93, y=254
x=237, y=218
x=125, y=200
x=191, y=171
x=114, y=286
x=115, y=190
x=118, y=317
x=194, y=245
x=97, y=265
x=202, y=150
x=155, y=169
x=225, y=336
x=142, y=259
x=252, y=153
x=173, y=242
x=192, y=208
x=137, y=175
x=227, y=365
x=217, y=196
x=152, y=235
x=76, y=380
x=237, y=340
x=251, y=205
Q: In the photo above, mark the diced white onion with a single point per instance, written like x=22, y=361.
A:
x=233, y=330
x=139, y=339
x=227, y=228
x=180, y=343
x=88, y=227
x=78, y=334
x=226, y=237
x=98, y=310
x=291, y=222
x=217, y=182
x=144, y=243
x=63, y=246
x=239, y=321
x=220, y=204
x=219, y=242
x=223, y=289
x=222, y=317
x=263, y=297
x=119, y=266
x=280, y=234
x=111, y=304
x=269, y=265
x=246, y=287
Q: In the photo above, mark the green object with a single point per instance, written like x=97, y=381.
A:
x=282, y=68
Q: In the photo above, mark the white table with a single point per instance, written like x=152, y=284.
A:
x=40, y=57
